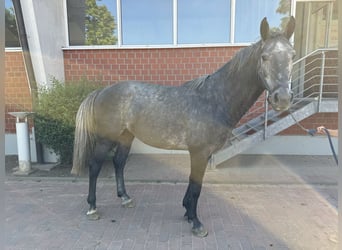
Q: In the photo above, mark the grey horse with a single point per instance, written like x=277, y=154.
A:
x=197, y=116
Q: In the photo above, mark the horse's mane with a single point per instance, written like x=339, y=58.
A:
x=243, y=56
x=196, y=83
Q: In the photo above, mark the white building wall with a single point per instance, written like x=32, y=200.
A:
x=276, y=145
x=295, y=145
x=46, y=33
x=11, y=147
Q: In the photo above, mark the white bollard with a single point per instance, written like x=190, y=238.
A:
x=23, y=143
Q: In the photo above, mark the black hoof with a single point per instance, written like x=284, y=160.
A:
x=199, y=232
x=93, y=215
x=128, y=203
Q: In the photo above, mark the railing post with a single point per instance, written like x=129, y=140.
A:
x=321, y=81
x=266, y=115
x=211, y=163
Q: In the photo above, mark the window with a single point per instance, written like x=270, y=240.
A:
x=171, y=22
x=319, y=26
x=333, y=32
x=11, y=31
x=202, y=21
x=92, y=22
x=146, y=22
x=248, y=15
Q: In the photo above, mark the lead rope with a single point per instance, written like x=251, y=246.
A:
x=312, y=132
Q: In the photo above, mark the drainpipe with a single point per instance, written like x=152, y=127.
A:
x=28, y=63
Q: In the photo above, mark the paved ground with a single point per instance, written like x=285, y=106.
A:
x=250, y=202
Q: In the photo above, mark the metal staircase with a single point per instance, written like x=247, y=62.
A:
x=314, y=83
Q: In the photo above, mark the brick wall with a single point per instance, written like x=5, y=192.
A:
x=17, y=93
x=329, y=120
x=168, y=67
x=163, y=66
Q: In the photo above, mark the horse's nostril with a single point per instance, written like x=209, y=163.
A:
x=276, y=98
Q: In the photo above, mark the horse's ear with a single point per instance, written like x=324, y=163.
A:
x=264, y=29
x=290, y=27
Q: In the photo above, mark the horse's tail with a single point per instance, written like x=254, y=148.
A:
x=84, y=142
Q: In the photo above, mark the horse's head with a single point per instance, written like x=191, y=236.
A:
x=275, y=65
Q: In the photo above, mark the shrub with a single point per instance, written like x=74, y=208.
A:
x=55, y=113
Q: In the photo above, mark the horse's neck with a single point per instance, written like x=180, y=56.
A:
x=239, y=88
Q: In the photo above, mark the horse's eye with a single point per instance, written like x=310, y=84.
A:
x=265, y=57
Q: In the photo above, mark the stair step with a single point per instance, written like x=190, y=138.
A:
x=299, y=104
x=240, y=130
x=274, y=118
x=239, y=137
x=255, y=127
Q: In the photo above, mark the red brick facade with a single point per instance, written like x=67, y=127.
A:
x=17, y=92
x=329, y=120
x=163, y=66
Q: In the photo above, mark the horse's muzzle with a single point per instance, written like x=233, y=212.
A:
x=281, y=99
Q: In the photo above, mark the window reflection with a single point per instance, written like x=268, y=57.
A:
x=202, y=21
x=146, y=22
x=250, y=13
x=92, y=22
x=317, y=26
x=333, y=32
x=11, y=31
x=150, y=22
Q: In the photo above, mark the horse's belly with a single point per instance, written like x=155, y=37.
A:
x=160, y=140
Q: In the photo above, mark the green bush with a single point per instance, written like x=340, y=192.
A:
x=55, y=113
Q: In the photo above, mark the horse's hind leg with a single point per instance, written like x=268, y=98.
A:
x=119, y=161
x=198, y=166
x=100, y=153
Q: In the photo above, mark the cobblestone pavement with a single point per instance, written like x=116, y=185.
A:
x=280, y=214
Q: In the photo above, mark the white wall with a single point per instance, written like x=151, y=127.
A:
x=276, y=145
x=12, y=149
x=295, y=145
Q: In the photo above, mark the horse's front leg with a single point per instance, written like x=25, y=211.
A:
x=198, y=165
x=95, y=164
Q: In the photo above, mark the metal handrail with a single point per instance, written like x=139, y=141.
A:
x=322, y=67
x=313, y=53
